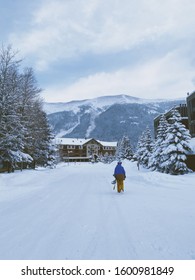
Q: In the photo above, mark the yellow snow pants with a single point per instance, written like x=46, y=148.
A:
x=120, y=182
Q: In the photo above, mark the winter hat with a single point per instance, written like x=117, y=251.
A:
x=120, y=162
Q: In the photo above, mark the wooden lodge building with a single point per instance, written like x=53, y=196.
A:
x=191, y=112
x=76, y=149
x=187, y=112
x=182, y=109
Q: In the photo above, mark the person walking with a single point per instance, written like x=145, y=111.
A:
x=120, y=175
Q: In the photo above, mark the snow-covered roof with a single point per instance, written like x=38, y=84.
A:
x=71, y=141
x=81, y=141
x=110, y=144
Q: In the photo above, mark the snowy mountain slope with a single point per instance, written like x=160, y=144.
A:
x=59, y=214
x=101, y=103
x=107, y=118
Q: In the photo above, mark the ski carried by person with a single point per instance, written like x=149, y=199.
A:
x=114, y=183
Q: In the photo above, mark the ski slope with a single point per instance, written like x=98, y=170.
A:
x=72, y=212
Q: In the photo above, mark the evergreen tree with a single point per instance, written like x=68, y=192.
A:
x=156, y=156
x=41, y=136
x=29, y=94
x=53, y=152
x=175, y=146
x=126, y=151
x=148, y=147
x=140, y=148
x=144, y=148
x=118, y=151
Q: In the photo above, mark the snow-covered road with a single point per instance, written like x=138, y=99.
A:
x=71, y=212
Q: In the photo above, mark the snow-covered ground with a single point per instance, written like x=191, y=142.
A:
x=72, y=212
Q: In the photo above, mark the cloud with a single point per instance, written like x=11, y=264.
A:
x=64, y=29
x=155, y=38
x=167, y=77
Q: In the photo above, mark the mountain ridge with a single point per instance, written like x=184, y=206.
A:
x=101, y=101
x=107, y=117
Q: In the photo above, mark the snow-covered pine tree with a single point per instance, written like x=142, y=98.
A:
x=29, y=97
x=148, y=147
x=140, y=148
x=53, y=152
x=144, y=148
x=156, y=156
x=126, y=151
x=41, y=136
x=118, y=151
x=175, y=146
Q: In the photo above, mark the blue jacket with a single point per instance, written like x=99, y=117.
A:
x=119, y=169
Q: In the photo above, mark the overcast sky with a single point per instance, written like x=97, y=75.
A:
x=82, y=49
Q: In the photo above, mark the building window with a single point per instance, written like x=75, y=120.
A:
x=62, y=147
x=70, y=147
